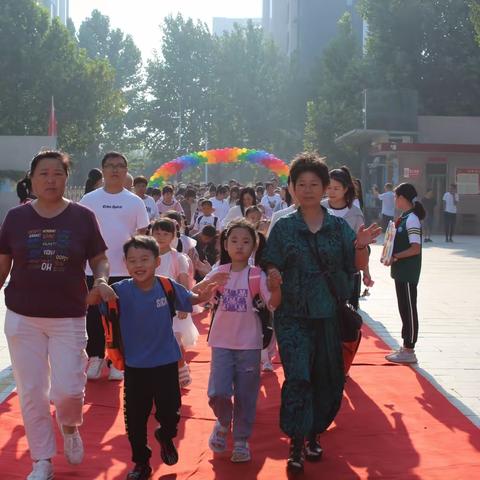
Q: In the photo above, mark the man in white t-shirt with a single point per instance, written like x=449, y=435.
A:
x=450, y=201
x=140, y=188
x=220, y=204
x=120, y=215
x=388, y=204
x=271, y=201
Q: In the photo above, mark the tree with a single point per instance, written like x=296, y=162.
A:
x=43, y=60
x=179, y=84
x=436, y=54
x=208, y=91
x=336, y=107
x=121, y=131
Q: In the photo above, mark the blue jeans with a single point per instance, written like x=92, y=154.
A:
x=235, y=373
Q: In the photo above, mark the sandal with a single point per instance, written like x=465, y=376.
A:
x=218, y=438
x=241, y=452
x=296, y=457
x=184, y=377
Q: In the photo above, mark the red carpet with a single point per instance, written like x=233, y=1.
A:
x=393, y=425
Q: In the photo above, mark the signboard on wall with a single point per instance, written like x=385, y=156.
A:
x=412, y=173
x=468, y=181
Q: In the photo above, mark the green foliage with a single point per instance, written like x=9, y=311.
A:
x=212, y=92
x=336, y=107
x=427, y=45
x=43, y=60
x=101, y=42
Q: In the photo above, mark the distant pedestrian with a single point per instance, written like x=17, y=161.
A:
x=406, y=263
x=24, y=190
x=429, y=203
x=94, y=180
x=140, y=188
x=450, y=202
x=388, y=204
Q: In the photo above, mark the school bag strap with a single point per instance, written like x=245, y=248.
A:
x=169, y=291
x=254, y=277
x=259, y=307
x=218, y=295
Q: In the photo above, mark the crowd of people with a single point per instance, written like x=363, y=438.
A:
x=222, y=248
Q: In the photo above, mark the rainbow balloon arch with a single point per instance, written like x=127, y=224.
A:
x=220, y=156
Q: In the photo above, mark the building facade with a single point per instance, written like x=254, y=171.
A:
x=303, y=28
x=442, y=151
x=57, y=8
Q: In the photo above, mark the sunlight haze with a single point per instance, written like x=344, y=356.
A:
x=141, y=18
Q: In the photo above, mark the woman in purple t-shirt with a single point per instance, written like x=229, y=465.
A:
x=44, y=246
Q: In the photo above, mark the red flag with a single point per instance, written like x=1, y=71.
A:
x=52, y=123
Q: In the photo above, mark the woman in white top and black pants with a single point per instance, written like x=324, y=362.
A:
x=341, y=195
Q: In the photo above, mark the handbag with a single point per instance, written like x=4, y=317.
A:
x=350, y=321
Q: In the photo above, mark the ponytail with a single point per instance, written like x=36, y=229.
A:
x=408, y=191
x=418, y=210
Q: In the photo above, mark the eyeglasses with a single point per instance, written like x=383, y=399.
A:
x=114, y=166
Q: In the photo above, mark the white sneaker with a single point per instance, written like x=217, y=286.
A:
x=267, y=366
x=94, y=370
x=402, y=355
x=42, y=470
x=73, y=447
x=115, y=374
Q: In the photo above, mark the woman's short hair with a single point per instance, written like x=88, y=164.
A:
x=309, y=162
x=55, y=154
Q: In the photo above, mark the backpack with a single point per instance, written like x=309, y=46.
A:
x=264, y=315
x=215, y=220
x=110, y=313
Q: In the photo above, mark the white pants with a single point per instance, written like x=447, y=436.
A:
x=49, y=361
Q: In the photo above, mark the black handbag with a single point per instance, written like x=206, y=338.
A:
x=350, y=321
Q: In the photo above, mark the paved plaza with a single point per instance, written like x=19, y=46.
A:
x=448, y=348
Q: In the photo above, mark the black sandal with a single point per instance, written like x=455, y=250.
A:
x=297, y=456
x=313, y=451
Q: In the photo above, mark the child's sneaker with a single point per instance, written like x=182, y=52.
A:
x=94, y=370
x=267, y=366
x=168, y=451
x=403, y=355
x=218, y=438
x=42, y=470
x=184, y=377
x=241, y=452
x=141, y=471
x=115, y=374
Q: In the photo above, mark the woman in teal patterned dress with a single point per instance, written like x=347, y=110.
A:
x=305, y=322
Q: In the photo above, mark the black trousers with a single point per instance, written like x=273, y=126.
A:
x=407, y=306
x=385, y=220
x=450, y=220
x=357, y=287
x=143, y=387
x=96, y=335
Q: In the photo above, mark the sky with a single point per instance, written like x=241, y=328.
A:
x=142, y=18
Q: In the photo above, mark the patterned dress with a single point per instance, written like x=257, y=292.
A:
x=305, y=322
